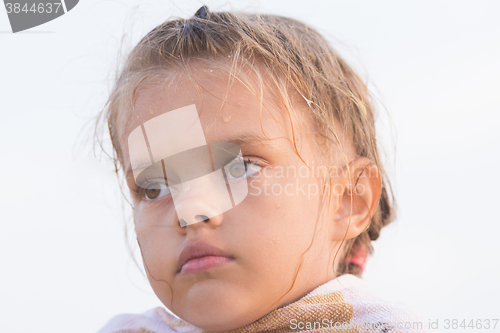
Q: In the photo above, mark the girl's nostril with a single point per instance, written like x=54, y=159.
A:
x=183, y=223
x=203, y=217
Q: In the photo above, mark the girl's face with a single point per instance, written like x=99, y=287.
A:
x=262, y=240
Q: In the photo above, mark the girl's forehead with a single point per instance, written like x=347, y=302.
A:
x=225, y=114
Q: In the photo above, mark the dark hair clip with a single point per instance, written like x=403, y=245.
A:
x=202, y=12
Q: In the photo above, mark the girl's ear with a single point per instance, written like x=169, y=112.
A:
x=356, y=194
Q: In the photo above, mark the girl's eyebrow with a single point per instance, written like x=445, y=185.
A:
x=246, y=140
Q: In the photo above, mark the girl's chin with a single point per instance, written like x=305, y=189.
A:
x=215, y=306
x=224, y=320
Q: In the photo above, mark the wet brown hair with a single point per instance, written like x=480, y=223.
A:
x=297, y=65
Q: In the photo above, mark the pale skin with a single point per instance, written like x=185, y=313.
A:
x=267, y=235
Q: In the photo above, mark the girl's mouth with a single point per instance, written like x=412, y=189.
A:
x=200, y=264
x=201, y=256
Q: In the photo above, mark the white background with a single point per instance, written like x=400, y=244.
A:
x=435, y=65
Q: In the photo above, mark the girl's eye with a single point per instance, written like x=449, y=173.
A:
x=242, y=168
x=237, y=170
x=156, y=190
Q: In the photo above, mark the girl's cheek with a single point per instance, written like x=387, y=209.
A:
x=151, y=211
x=155, y=240
x=254, y=187
x=149, y=226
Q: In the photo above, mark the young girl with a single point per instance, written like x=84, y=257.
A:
x=249, y=149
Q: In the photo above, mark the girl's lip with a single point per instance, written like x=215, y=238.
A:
x=200, y=264
x=199, y=256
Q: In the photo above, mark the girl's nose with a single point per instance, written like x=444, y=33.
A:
x=202, y=200
x=198, y=211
